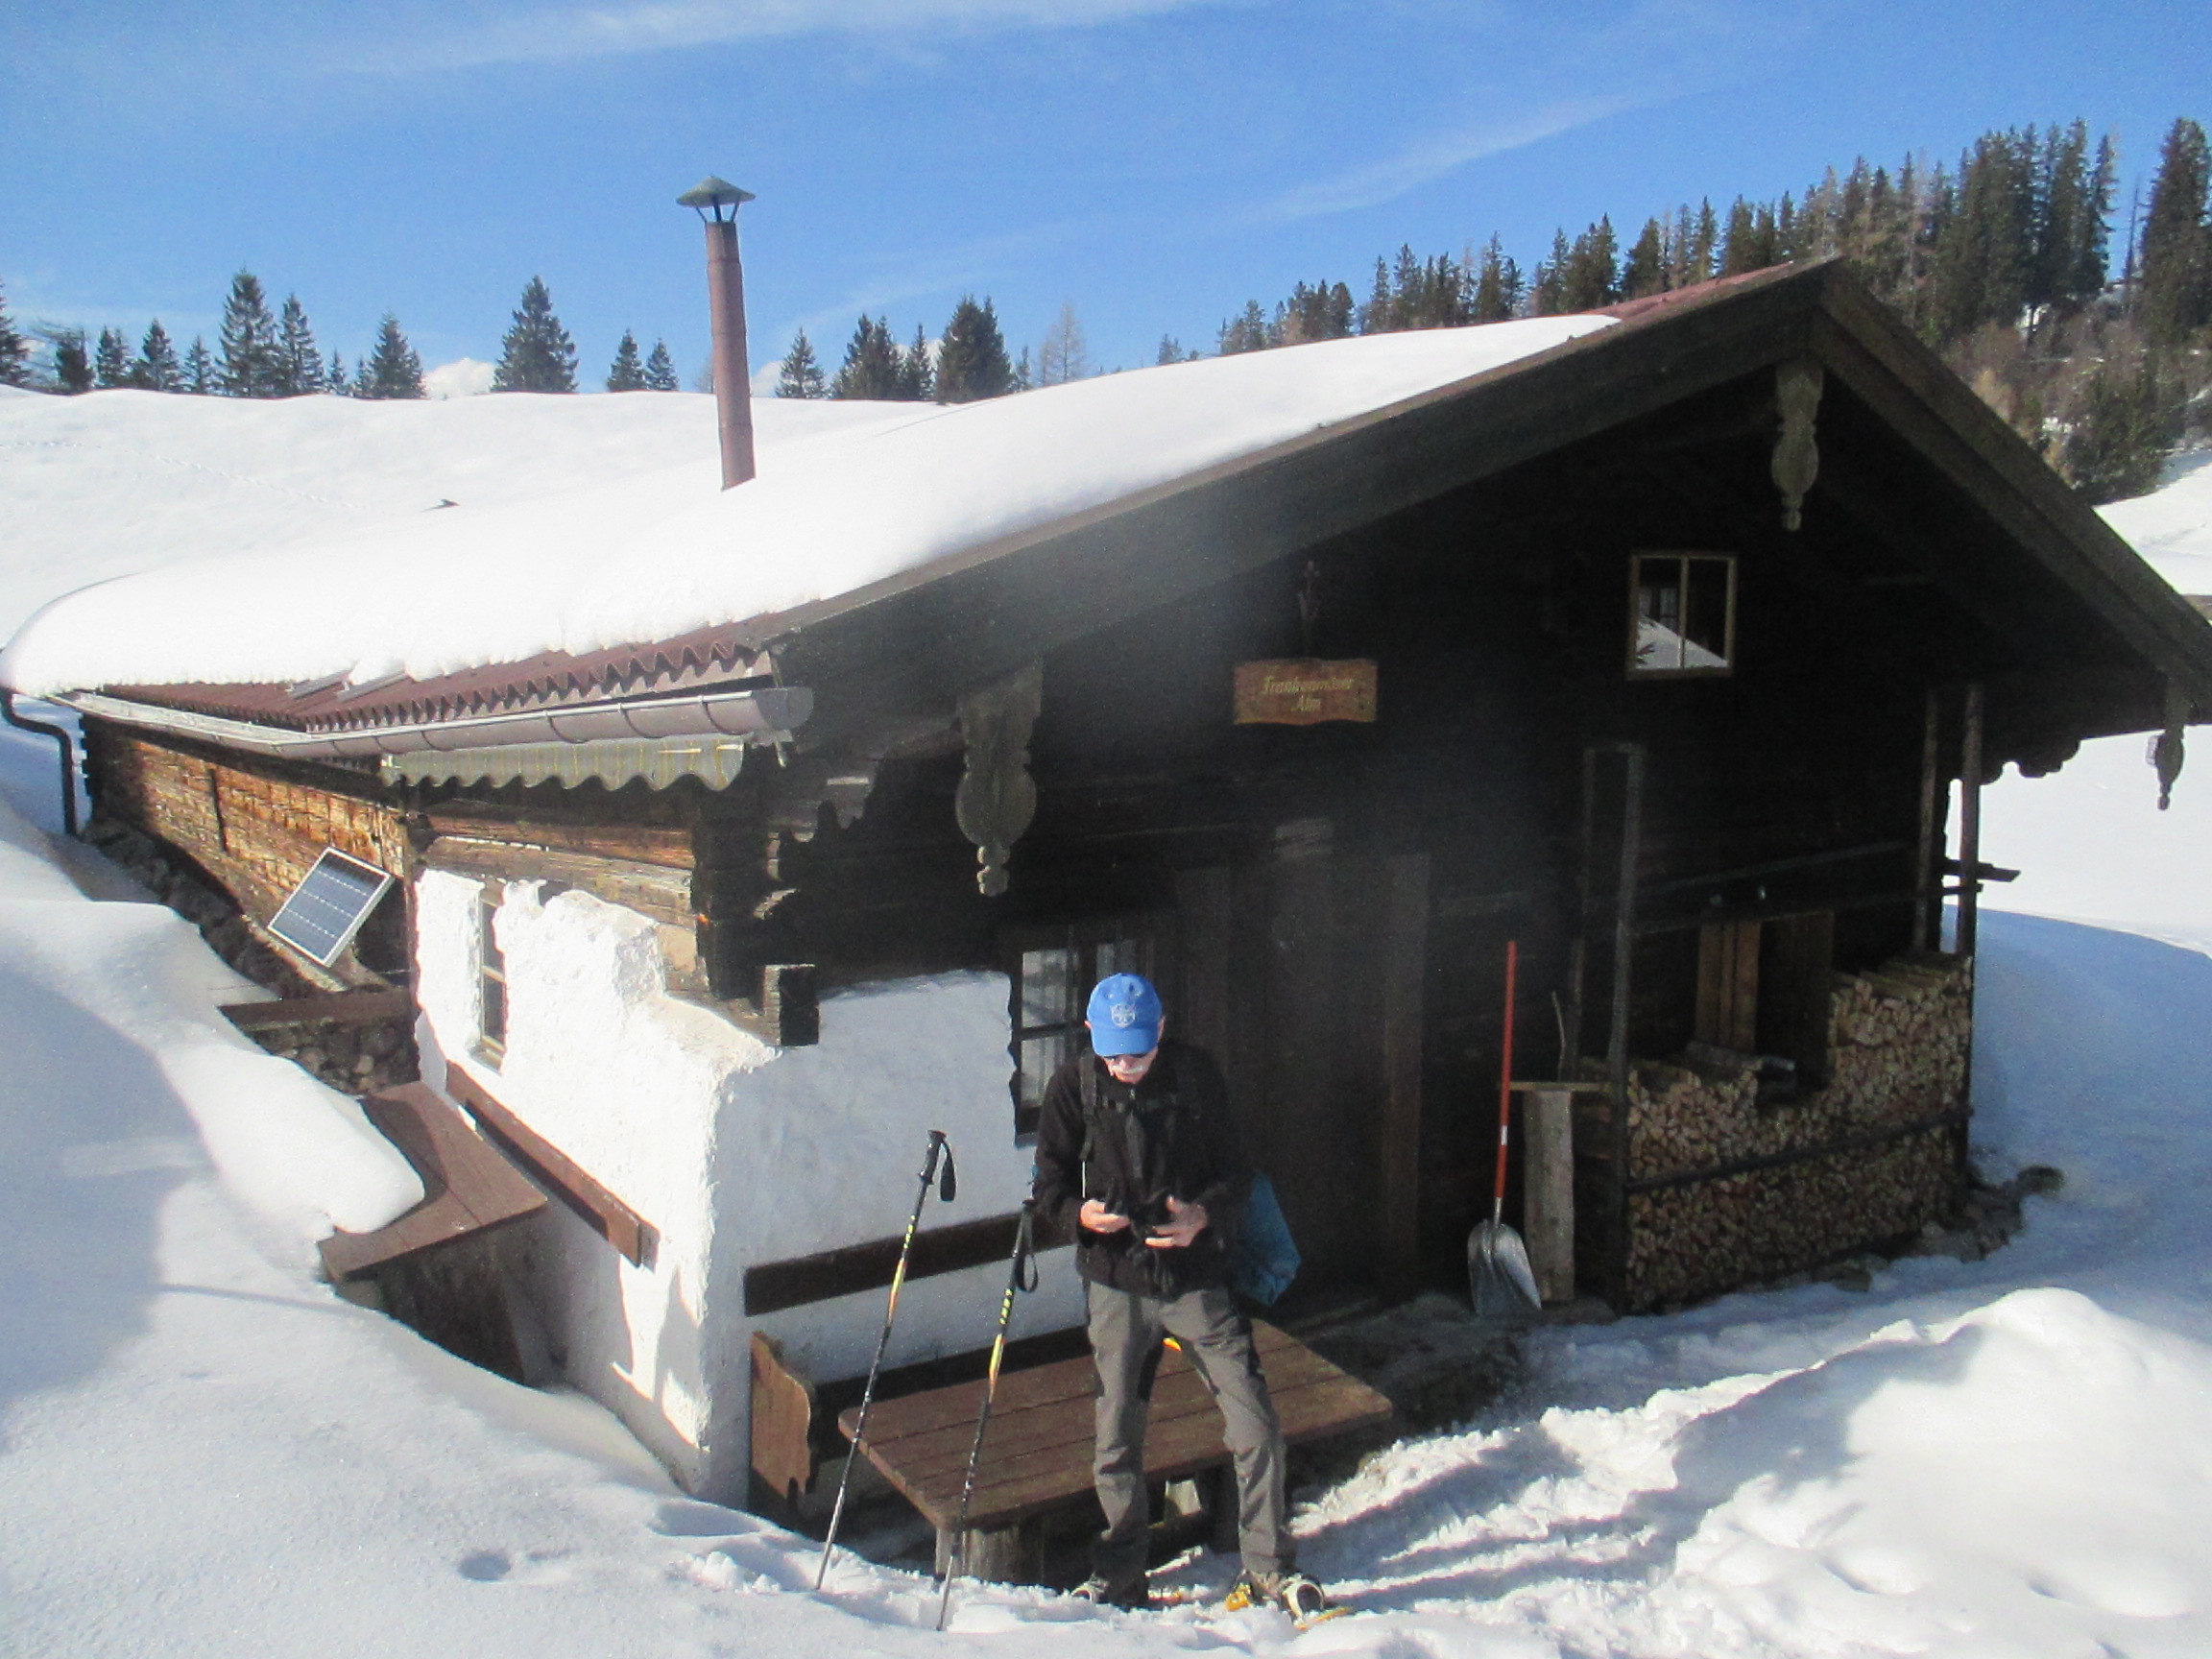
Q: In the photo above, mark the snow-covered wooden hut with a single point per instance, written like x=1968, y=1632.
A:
x=737, y=839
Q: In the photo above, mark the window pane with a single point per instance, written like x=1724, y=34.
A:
x=1682, y=613
x=1041, y=1057
x=1123, y=957
x=494, y=1012
x=1705, y=614
x=1659, y=613
x=1048, y=988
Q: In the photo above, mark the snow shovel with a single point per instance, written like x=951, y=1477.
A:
x=1499, y=1280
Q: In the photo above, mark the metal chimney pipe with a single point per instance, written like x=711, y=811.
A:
x=726, y=301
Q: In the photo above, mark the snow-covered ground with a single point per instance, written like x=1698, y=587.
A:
x=203, y=1453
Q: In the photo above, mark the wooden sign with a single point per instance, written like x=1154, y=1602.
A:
x=1305, y=691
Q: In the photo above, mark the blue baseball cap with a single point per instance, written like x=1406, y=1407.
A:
x=1124, y=1016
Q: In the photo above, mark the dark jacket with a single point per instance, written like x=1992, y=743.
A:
x=1171, y=1135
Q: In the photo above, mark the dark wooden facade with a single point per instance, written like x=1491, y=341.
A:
x=1328, y=906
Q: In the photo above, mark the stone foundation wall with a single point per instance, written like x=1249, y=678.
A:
x=1723, y=1189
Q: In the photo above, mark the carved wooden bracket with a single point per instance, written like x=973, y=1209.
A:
x=2166, y=752
x=1796, y=459
x=997, y=798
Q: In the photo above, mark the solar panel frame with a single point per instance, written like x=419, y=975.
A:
x=320, y=916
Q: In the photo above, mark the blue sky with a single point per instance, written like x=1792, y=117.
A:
x=1153, y=163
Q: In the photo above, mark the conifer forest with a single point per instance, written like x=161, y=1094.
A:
x=2084, y=319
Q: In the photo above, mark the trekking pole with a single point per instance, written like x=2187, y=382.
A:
x=1021, y=1276
x=947, y=1183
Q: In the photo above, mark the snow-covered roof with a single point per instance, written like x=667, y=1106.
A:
x=552, y=546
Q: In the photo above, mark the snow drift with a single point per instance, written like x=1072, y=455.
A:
x=848, y=494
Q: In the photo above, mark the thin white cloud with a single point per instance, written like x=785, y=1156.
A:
x=1654, y=53
x=568, y=33
x=1433, y=157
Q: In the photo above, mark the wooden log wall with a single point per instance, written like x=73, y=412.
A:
x=1723, y=1189
x=255, y=833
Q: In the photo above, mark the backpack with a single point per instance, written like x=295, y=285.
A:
x=1263, y=1258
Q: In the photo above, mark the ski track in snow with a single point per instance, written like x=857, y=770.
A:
x=203, y=1453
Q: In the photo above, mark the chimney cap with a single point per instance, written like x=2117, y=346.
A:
x=712, y=193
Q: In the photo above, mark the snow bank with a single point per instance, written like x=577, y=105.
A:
x=848, y=494
x=138, y=983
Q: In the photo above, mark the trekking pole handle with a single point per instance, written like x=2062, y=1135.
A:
x=948, y=1180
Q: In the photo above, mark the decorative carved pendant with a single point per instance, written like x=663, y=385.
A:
x=1796, y=459
x=997, y=798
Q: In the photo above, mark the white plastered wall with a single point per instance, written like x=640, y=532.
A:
x=737, y=1153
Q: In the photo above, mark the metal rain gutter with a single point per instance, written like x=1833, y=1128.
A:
x=23, y=722
x=763, y=716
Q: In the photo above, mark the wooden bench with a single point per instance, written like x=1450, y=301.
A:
x=1037, y=1453
x=468, y=1187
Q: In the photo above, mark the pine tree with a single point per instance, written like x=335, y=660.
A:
x=971, y=361
x=1985, y=249
x=627, y=373
x=917, y=369
x=1063, y=356
x=872, y=364
x=1170, y=351
x=392, y=368
x=661, y=370
x=1646, y=272
x=1375, y=313
x=249, y=340
x=111, y=360
x=1246, y=332
x=14, y=350
x=1547, y=293
x=536, y=354
x=1024, y=378
x=1498, y=284
x=801, y=373
x=200, y=378
x=2176, y=291
x=1590, y=279
x=157, y=368
x=2119, y=437
x=72, y=362
x=299, y=359
x=335, y=381
x=1704, y=243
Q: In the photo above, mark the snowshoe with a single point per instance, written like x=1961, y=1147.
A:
x=1132, y=1593
x=1297, y=1595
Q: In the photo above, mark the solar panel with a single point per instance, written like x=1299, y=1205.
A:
x=329, y=906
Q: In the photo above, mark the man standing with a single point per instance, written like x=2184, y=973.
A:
x=1136, y=1157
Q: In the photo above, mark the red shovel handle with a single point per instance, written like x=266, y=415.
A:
x=1506, y=1073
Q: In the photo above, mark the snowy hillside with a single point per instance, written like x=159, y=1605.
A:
x=203, y=1453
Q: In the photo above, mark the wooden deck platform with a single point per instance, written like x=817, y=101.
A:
x=1037, y=1452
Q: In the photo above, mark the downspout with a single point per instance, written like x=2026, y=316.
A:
x=61, y=736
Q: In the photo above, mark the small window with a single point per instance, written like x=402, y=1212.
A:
x=1052, y=972
x=1683, y=613
x=491, y=977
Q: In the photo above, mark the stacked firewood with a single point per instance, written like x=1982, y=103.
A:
x=1897, y=1054
x=1897, y=1050
x=1711, y=1235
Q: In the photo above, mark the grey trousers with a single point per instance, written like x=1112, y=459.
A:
x=1125, y=1335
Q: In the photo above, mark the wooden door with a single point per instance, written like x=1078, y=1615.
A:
x=1302, y=972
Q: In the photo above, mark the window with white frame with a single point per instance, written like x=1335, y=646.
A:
x=1053, y=970
x=490, y=976
x=1682, y=614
